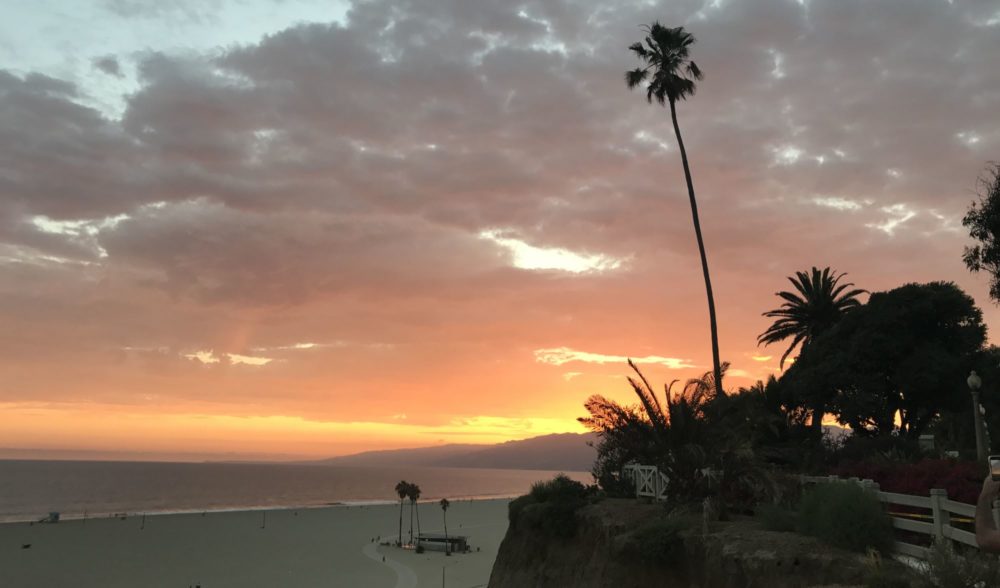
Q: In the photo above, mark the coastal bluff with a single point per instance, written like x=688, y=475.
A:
x=604, y=552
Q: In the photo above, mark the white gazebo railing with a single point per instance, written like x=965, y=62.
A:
x=649, y=481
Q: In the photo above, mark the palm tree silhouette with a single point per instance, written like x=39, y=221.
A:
x=818, y=302
x=409, y=495
x=671, y=75
x=414, y=505
x=402, y=489
x=444, y=511
x=817, y=305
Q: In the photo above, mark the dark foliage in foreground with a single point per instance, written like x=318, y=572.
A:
x=658, y=542
x=550, y=508
x=847, y=516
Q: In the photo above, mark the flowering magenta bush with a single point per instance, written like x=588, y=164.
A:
x=961, y=479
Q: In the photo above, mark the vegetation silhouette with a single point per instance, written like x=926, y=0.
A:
x=983, y=222
x=694, y=430
x=671, y=76
x=889, y=368
x=444, y=512
x=903, y=354
x=817, y=304
x=402, y=489
x=413, y=493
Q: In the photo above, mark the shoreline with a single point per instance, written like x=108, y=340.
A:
x=99, y=516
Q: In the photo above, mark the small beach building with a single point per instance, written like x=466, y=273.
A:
x=438, y=541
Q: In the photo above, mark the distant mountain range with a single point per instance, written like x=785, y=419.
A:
x=560, y=452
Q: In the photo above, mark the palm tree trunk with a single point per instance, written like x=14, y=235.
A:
x=447, y=545
x=411, y=522
x=817, y=419
x=400, y=521
x=716, y=363
x=417, y=505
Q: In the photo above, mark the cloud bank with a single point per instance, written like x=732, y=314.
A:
x=444, y=187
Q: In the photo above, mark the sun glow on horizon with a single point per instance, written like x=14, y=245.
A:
x=196, y=432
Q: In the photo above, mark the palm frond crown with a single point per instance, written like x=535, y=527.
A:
x=818, y=301
x=667, y=67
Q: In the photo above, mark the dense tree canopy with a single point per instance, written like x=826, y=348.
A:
x=907, y=353
x=983, y=222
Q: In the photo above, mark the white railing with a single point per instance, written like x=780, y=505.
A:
x=649, y=481
x=937, y=524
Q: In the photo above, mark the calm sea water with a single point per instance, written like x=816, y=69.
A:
x=31, y=489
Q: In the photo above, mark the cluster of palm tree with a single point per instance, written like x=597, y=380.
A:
x=407, y=490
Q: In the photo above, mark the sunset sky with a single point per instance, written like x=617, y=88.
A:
x=286, y=228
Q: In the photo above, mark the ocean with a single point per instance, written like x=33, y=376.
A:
x=29, y=490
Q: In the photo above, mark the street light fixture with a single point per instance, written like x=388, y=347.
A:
x=975, y=383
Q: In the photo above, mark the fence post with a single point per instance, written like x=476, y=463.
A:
x=941, y=517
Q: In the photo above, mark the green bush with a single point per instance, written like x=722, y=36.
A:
x=845, y=515
x=775, y=518
x=550, y=507
x=558, y=489
x=659, y=542
x=948, y=567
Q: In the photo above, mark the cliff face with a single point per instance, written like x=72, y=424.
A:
x=605, y=552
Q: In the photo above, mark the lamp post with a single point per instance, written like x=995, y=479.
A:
x=975, y=383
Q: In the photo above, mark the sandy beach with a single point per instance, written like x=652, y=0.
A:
x=276, y=548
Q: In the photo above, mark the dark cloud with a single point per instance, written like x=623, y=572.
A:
x=109, y=65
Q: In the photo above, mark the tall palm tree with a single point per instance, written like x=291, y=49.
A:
x=410, y=490
x=402, y=489
x=671, y=75
x=818, y=302
x=444, y=511
x=415, y=505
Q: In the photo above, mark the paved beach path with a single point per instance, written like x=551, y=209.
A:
x=405, y=576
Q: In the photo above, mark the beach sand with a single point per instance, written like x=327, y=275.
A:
x=308, y=548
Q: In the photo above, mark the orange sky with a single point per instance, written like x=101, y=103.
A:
x=323, y=240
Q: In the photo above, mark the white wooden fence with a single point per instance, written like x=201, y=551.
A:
x=937, y=524
x=649, y=482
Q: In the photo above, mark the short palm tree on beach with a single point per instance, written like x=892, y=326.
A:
x=669, y=75
x=444, y=511
x=414, y=496
x=402, y=489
